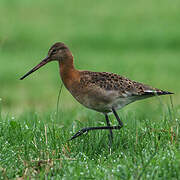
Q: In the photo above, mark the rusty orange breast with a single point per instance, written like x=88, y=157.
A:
x=69, y=75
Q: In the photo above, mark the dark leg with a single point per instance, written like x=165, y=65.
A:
x=117, y=117
x=84, y=130
x=110, y=130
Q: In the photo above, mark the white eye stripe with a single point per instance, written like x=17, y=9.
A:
x=53, y=51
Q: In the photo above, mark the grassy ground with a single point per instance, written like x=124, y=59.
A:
x=140, y=40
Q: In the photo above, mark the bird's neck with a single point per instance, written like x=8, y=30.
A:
x=68, y=73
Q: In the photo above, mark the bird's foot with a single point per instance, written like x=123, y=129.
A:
x=79, y=133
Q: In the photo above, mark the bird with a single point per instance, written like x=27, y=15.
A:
x=103, y=92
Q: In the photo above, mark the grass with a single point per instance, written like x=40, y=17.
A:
x=139, y=39
x=34, y=146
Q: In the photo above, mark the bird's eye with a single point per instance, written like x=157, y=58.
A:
x=54, y=51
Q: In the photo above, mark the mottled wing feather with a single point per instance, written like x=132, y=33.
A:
x=115, y=82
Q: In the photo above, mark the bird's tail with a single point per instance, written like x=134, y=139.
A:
x=157, y=92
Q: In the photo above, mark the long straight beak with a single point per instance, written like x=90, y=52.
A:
x=42, y=63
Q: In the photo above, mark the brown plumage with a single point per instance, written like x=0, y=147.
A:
x=102, y=91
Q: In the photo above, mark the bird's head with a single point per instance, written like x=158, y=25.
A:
x=58, y=52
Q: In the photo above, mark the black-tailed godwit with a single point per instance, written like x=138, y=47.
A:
x=101, y=91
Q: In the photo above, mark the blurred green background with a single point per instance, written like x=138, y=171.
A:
x=138, y=39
